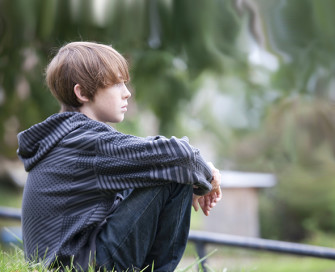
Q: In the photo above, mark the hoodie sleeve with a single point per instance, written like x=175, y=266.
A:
x=125, y=161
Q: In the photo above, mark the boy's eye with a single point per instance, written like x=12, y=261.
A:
x=121, y=84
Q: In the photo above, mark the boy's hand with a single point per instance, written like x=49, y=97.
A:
x=208, y=201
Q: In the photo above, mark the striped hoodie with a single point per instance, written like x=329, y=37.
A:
x=76, y=168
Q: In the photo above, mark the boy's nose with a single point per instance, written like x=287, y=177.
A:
x=127, y=93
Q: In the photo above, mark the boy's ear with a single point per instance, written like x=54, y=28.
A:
x=79, y=93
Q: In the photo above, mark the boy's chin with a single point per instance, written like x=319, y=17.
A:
x=117, y=120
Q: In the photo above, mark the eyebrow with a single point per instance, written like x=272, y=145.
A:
x=123, y=79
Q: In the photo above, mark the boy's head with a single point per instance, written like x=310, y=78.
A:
x=91, y=65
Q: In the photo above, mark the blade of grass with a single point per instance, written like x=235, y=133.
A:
x=198, y=261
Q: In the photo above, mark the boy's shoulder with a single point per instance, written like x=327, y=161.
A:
x=74, y=120
x=80, y=125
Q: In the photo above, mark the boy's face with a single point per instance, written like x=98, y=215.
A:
x=109, y=104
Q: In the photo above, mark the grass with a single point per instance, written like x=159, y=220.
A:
x=221, y=259
x=14, y=261
x=230, y=259
x=10, y=196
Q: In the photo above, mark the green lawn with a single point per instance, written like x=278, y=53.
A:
x=10, y=196
x=243, y=260
x=223, y=259
x=230, y=259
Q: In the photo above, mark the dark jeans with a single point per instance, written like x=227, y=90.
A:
x=149, y=228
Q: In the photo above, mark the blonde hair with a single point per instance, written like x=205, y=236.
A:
x=91, y=65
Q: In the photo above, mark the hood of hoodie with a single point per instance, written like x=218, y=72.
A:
x=36, y=142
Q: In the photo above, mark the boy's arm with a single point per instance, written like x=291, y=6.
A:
x=125, y=161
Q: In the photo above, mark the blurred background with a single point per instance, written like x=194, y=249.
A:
x=250, y=82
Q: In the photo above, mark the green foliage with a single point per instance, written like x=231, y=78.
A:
x=300, y=33
x=174, y=47
x=168, y=43
x=297, y=145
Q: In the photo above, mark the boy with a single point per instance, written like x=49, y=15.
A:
x=95, y=194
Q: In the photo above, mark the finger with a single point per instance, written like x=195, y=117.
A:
x=203, y=205
x=201, y=201
x=195, y=206
x=216, y=178
x=219, y=194
x=195, y=200
x=213, y=202
x=205, y=211
x=209, y=202
x=214, y=196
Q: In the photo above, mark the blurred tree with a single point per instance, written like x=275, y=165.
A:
x=295, y=138
x=300, y=33
x=169, y=43
x=256, y=54
x=297, y=144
